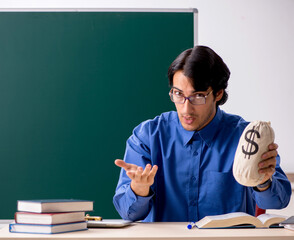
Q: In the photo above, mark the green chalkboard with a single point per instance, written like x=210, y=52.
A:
x=73, y=85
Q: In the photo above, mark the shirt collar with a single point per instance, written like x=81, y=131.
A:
x=185, y=134
x=207, y=133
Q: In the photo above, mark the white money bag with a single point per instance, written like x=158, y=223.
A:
x=253, y=143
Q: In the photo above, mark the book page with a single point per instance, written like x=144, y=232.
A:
x=228, y=220
x=270, y=219
x=228, y=215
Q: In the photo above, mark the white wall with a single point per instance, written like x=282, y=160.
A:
x=255, y=39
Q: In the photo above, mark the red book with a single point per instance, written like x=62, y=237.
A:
x=48, y=218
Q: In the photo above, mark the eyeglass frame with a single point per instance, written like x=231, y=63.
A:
x=188, y=98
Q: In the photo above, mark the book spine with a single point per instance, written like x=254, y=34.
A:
x=15, y=217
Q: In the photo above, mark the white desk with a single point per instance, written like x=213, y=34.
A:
x=160, y=231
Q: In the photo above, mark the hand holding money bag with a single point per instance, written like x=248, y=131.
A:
x=254, y=142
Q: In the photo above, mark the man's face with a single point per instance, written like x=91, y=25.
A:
x=194, y=117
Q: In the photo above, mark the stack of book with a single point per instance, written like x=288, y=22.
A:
x=50, y=216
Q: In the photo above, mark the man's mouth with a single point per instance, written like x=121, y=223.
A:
x=188, y=119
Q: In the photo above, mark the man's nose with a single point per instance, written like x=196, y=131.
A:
x=187, y=106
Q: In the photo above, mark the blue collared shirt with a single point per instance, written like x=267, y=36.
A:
x=194, y=177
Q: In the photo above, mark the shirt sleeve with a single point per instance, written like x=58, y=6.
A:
x=278, y=195
x=127, y=203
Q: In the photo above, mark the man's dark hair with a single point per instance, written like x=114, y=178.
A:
x=204, y=68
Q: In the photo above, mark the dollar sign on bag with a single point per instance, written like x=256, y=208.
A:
x=252, y=147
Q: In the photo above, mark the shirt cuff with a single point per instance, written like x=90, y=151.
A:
x=270, y=198
x=268, y=182
x=139, y=206
x=135, y=198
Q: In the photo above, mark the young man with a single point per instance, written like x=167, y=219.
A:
x=178, y=166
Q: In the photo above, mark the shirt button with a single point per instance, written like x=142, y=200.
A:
x=195, y=153
x=193, y=178
x=194, y=203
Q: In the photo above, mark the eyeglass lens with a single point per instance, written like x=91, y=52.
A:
x=178, y=97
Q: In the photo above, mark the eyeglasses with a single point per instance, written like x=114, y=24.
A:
x=196, y=99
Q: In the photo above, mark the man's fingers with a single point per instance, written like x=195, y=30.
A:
x=272, y=151
x=268, y=171
x=268, y=166
x=153, y=171
x=120, y=163
x=131, y=174
x=138, y=174
x=124, y=165
x=146, y=172
x=273, y=146
x=269, y=162
x=269, y=154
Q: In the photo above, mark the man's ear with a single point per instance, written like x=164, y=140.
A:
x=219, y=95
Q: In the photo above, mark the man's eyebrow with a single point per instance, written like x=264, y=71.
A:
x=192, y=92
x=177, y=89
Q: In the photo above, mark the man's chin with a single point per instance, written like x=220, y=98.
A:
x=189, y=127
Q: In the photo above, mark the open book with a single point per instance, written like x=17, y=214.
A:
x=240, y=218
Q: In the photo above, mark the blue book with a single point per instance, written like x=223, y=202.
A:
x=47, y=229
x=54, y=205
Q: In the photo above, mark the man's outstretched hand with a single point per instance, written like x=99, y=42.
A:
x=141, y=178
